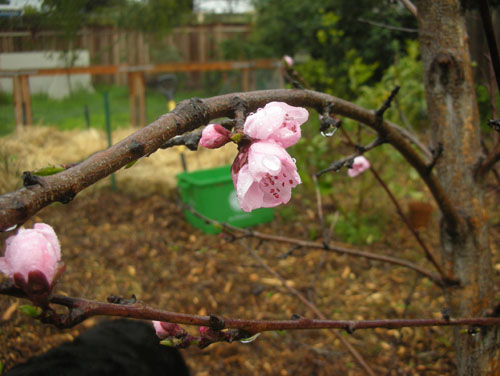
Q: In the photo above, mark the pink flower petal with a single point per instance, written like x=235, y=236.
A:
x=264, y=122
x=160, y=332
x=278, y=122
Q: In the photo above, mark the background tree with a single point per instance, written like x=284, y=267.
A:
x=333, y=35
x=454, y=121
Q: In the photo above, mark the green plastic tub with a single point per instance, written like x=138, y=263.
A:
x=211, y=193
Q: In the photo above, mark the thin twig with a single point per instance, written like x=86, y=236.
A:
x=347, y=161
x=319, y=204
x=295, y=79
x=82, y=309
x=335, y=247
x=315, y=310
x=488, y=163
x=388, y=27
x=414, y=232
x=412, y=8
x=407, y=302
x=399, y=210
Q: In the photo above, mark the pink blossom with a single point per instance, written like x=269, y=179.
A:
x=359, y=165
x=32, y=250
x=264, y=175
x=204, y=331
x=214, y=136
x=288, y=60
x=166, y=329
x=278, y=122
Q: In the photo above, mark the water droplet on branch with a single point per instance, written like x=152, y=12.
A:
x=10, y=228
x=250, y=339
x=329, y=132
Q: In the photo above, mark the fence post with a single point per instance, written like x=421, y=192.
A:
x=244, y=79
x=22, y=100
x=25, y=84
x=137, y=98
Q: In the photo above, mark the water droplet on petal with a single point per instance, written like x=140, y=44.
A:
x=250, y=339
x=272, y=163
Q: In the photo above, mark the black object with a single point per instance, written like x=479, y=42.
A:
x=165, y=84
x=118, y=347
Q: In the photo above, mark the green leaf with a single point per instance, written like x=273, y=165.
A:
x=30, y=310
x=171, y=342
x=130, y=164
x=49, y=170
x=237, y=137
x=167, y=342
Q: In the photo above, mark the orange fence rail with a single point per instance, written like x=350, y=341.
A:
x=136, y=81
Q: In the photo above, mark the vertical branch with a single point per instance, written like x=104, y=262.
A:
x=324, y=230
x=489, y=33
x=411, y=7
x=414, y=232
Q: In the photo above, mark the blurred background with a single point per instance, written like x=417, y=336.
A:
x=357, y=53
x=76, y=76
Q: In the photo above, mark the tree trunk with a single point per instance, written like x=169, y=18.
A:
x=454, y=122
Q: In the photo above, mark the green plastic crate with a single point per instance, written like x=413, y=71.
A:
x=211, y=193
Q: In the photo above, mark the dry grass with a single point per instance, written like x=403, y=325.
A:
x=37, y=147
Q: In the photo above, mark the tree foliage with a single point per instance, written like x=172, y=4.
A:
x=70, y=16
x=329, y=37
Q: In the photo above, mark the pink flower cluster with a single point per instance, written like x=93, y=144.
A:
x=32, y=257
x=263, y=172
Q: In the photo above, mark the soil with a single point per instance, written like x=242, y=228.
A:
x=118, y=244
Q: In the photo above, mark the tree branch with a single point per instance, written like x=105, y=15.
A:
x=489, y=33
x=488, y=164
x=316, y=311
x=82, y=309
x=410, y=6
x=16, y=207
x=347, y=161
x=389, y=27
x=335, y=247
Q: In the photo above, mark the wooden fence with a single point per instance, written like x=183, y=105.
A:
x=136, y=81
x=113, y=46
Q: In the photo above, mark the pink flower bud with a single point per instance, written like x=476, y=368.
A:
x=214, y=136
x=359, y=165
x=204, y=330
x=288, y=60
x=167, y=329
x=34, y=252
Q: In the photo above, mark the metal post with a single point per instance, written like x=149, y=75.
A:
x=108, y=131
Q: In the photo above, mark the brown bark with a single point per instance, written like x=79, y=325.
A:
x=454, y=122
